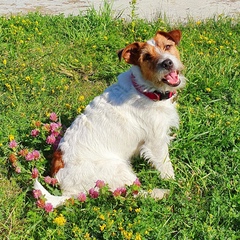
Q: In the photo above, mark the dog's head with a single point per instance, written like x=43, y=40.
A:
x=158, y=59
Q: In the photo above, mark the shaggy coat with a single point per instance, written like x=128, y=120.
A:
x=132, y=117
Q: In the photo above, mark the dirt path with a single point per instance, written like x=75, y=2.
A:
x=148, y=9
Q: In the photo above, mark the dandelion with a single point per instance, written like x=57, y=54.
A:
x=34, y=173
x=81, y=98
x=13, y=144
x=208, y=90
x=138, y=210
x=51, y=139
x=102, y=217
x=198, y=99
x=102, y=227
x=87, y=236
x=93, y=193
x=138, y=236
x=35, y=132
x=37, y=193
x=53, y=117
x=60, y=220
x=100, y=184
x=11, y=137
x=4, y=62
x=68, y=105
x=27, y=78
x=48, y=207
x=82, y=197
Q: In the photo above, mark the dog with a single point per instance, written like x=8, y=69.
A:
x=132, y=117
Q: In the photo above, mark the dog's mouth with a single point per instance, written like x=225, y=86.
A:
x=172, y=79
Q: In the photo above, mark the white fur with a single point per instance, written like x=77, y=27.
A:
x=115, y=126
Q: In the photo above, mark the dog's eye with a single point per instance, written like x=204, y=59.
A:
x=147, y=57
x=167, y=47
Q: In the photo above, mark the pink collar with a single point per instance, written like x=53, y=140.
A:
x=154, y=96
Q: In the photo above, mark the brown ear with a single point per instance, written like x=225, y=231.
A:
x=131, y=53
x=174, y=35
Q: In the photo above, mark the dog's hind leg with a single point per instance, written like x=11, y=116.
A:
x=116, y=173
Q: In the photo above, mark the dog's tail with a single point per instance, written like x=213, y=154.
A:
x=56, y=201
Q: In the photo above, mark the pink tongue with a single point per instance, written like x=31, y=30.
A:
x=172, y=77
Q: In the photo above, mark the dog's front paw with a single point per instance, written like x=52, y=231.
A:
x=167, y=171
x=168, y=175
x=159, y=193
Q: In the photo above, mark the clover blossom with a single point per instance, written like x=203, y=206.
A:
x=100, y=184
x=13, y=144
x=40, y=203
x=93, y=193
x=18, y=170
x=82, y=197
x=121, y=191
x=48, y=180
x=35, y=173
x=137, y=182
x=51, y=139
x=37, y=193
x=34, y=155
x=53, y=117
x=48, y=207
x=35, y=132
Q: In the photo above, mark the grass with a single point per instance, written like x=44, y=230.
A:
x=56, y=64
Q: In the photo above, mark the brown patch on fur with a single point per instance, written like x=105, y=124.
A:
x=167, y=44
x=147, y=55
x=57, y=162
x=131, y=53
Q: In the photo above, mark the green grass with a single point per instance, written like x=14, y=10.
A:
x=56, y=64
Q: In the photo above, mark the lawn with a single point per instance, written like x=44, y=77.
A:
x=53, y=64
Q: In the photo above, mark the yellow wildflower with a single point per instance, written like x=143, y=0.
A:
x=137, y=210
x=102, y=227
x=138, y=237
x=5, y=62
x=68, y=105
x=60, y=220
x=127, y=235
x=96, y=209
x=11, y=137
x=208, y=89
x=81, y=98
x=87, y=236
x=102, y=217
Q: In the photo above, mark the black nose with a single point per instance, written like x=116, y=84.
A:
x=167, y=64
